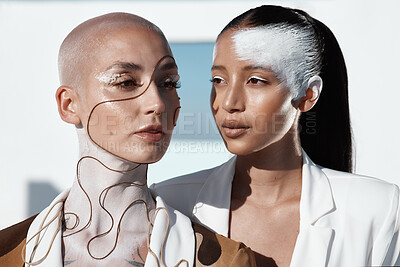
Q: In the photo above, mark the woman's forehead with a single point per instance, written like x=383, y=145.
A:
x=132, y=51
x=286, y=49
x=268, y=46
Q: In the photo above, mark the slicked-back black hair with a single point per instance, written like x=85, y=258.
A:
x=325, y=130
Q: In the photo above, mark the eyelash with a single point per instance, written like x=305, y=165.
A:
x=171, y=83
x=251, y=80
x=168, y=83
x=128, y=84
x=217, y=80
x=257, y=79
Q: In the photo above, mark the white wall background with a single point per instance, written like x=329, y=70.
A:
x=35, y=145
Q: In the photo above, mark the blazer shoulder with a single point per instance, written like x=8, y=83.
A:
x=216, y=250
x=181, y=192
x=356, y=191
x=12, y=241
x=190, y=179
x=361, y=182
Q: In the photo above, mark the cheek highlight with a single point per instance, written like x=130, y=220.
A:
x=283, y=48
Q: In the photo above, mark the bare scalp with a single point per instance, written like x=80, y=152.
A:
x=78, y=50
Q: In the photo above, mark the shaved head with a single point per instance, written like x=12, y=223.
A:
x=79, y=49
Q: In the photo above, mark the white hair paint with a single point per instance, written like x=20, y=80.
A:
x=288, y=50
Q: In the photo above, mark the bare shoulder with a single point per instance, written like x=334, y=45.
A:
x=216, y=250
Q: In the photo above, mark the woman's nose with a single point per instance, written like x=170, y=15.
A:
x=234, y=98
x=152, y=100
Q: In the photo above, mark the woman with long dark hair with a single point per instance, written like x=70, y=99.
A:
x=280, y=101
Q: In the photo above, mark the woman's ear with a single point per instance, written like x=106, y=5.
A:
x=68, y=104
x=312, y=94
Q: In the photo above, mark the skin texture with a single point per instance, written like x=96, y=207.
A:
x=115, y=144
x=258, y=122
x=119, y=124
x=115, y=126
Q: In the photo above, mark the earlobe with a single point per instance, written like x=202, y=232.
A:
x=312, y=93
x=68, y=102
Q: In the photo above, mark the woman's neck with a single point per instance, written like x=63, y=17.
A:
x=105, y=189
x=271, y=175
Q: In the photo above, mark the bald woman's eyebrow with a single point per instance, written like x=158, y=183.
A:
x=126, y=66
x=168, y=66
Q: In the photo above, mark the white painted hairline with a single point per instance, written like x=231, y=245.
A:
x=286, y=49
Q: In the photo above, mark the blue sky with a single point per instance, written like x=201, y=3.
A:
x=194, y=62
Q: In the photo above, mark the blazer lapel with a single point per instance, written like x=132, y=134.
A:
x=314, y=242
x=312, y=247
x=213, y=202
x=47, y=226
x=179, y=243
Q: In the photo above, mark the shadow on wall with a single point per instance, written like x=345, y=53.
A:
x=40, y=195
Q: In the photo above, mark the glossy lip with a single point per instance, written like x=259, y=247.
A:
x=151, y=133
x=233, y=128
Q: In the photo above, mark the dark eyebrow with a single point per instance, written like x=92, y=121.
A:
x=249, y=67
x=257, y=67
x=218, y=67
x=125, y=66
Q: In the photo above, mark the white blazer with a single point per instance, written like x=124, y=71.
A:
x=345, y=219
x=179, y=244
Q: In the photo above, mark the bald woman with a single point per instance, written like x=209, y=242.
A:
x=118, y=88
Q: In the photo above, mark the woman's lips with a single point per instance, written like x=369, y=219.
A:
x=151, y=133
x=233, y=129
x=150, y=136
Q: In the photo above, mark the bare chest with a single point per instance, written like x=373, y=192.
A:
x=270, y=232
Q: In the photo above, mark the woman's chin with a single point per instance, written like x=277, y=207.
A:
x=246, y=147
x=238, y=148
x=145, y=158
